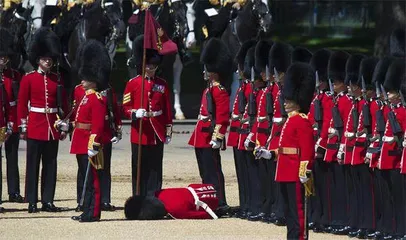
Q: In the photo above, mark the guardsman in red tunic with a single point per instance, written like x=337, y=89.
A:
x=7, y=112
x=197, y=201
x=362, y=175
x=89, y=124
x=335, y=142
x=41, y=101
x=111, y=135
x=391, y=154
x=280, y=57
x=320, y=117
x=262, y=127
x=235, y=124
x=10, y=80
x=296, y=148
x=209, y=134
x=156, y=117
x=383, y=217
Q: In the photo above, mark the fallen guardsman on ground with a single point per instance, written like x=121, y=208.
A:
x=196, y=201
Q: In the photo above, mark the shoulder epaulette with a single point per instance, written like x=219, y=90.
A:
x=33, y=71
x=303, y=115
x=134, y=78
x=329, y=93
x=99, y=95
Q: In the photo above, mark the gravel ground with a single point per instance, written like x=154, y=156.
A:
x=180, y=169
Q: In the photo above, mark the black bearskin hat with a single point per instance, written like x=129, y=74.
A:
x=397, y=43
x=280, y=57
x=144, y=208
x=380, y=70
x=301, y=54
x=240, y=58
x=249, y=63
x=336, y=66
x=352, y=68
x=151, y=56
x=262, y=54
x=45, y=44
x=299, y=85
x=366, y=70
x=319, y=63
x=6, y=42
x=395, y=75
x=94, y=63
x=217, y=59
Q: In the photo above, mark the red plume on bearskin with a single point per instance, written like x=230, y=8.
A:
x=280, y=57
x=6, y=43
x=45, y=44
x=366, y=70
x=144, y=208
x=395, y=75
x=242, y=52
x=299, y=85
x=352, y=68
x=380, y=70
x=94, y=63
x=301, y=54
x=336, y=66
x=262, y=54
x=397, y=43
x=216, y=57
x=319, y=63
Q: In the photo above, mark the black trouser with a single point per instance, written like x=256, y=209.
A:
x=242, y=177
x=353, y=195
x=339, y=216
x=326, y=193
x=151, y=168
x=104, y=174
x=318, y=200
x=254, y=183
x=48, y=152
x=387, y=210
x=397, y=194
x=92, y=199
x=277, y=204
x=266, y=185
x=366, y=199
x=295, y=207
x=378, y=200
x=13, y=175
x=209, y=163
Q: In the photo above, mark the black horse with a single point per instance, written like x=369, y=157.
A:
x=172, y=18
x=253, y=21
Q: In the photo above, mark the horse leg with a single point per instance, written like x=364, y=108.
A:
x=128, y=45
x=177, y=71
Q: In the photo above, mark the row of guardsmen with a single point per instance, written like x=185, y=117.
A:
x=358, y=119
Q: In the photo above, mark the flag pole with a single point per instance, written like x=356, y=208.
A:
x=138, y=183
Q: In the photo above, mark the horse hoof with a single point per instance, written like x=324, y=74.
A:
x=180, y=116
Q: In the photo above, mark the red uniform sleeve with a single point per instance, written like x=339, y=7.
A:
x=222, y=104
x=23, y=98
x=98, y=113
x=306, y=143
x=128, y=100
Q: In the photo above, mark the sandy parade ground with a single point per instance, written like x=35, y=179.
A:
x=180, y=169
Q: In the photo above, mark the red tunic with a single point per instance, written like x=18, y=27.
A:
x=375, y=106
x=254, y=130
x=181, y=204
x=244, y=131
x=202, y=135
x=10, y=75
x=277, y=125
x=40, y=91
x=78, y=95
x=235, y=122
x=261, y=127
x=5, y=110
x=91, y=111
x=391, y=154
x=297, y=134
x=156, y=102
x=351, y=131
x=344, y=107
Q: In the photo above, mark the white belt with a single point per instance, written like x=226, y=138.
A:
x=202, y=204
x=43, y=110
x=332, y=130
x=153, y=113
x=349, y=134
x=277, y=120
x=13, y=103
x=387, y=139
x=235, y=117
x=203, y=118
x=261, y=119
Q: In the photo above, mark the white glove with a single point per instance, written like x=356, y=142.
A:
x=62, y=125
x=10, y=128
x=340, y=154
x=404, y=143
x=140, y=113
x=248, y=141
x=261, y=152
x=115, y=140
x=190, y=40
x=168, y=140
x=92, y=153
x=304, y=179
x=215, y=144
